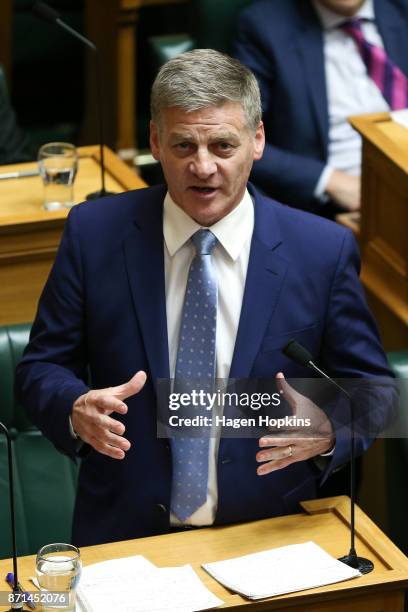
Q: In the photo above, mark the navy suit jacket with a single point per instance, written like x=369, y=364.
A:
x=281, y=41
x=103, y=310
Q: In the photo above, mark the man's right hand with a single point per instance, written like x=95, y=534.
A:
x=92, y=423
x=344, y=190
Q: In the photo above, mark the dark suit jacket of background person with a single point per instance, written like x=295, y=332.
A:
x=104, y=307
x=281, y=41
x=14, y=144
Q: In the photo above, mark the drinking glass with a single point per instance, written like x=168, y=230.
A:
x=58, y=164
x=58, y=569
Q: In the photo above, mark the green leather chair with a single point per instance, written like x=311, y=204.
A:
x=396, y=459
x=214, y=29
x=45, y=480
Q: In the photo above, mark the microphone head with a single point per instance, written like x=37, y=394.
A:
x=297, y=353
x=45, y=12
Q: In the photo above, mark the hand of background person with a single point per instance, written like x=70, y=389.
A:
x=281, y=448
x=344, y=190
x=92, y=423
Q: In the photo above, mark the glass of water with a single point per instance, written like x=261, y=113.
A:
x=58, y=570
x=58, y=164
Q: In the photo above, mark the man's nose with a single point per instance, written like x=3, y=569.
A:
x=203, y=165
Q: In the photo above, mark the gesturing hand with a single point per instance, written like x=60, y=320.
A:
x=283, y=448
x=91, y=421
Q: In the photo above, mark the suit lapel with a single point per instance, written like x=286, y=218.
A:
x=145, y=267
x=393, y=29
x=310, y=49
x=266, y=271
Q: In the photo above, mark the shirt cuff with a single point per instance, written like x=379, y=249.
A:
x=330, y=453
x=71, y=429
x=320, y=189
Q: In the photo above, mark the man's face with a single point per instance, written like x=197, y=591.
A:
x=348, y=8
x=206, y=156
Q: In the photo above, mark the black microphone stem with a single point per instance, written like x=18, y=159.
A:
x=352, y=556
x=16, y=589
x=301, y=356
x=93, y=48
x=77, y=35
x=49, y=14
x=100, y=117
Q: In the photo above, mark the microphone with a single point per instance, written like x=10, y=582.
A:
x=16, y=588
x=300, y=355
x=47, y=13
x=297, y=353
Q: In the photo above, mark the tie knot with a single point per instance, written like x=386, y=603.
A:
x=204, y=241
x=351, y=25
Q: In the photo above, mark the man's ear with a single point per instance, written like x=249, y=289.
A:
x=154, y=141
x=259, y=141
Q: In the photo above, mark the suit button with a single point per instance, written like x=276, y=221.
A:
x=161, y=507
x=226, y=460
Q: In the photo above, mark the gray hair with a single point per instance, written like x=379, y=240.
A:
x=204, y=77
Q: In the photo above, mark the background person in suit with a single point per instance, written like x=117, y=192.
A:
x=312, y=77
x=121, y=299
x=14, y=144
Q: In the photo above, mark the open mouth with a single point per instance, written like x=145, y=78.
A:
x=204, y=189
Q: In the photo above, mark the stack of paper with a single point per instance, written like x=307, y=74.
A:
x=133, y=584
x=280, y=570
x=400, y=116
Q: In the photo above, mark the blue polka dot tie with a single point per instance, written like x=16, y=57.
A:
x=195, y=367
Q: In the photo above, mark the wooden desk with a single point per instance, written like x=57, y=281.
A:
x=382, y=229
x=326, y=522
x=30, y=235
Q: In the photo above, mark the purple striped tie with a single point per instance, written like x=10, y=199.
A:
x=390, y=80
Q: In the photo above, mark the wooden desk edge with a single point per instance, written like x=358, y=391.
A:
x=393, y=579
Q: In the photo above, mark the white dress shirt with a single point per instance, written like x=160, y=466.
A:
x=350, y=91
x=230, y=259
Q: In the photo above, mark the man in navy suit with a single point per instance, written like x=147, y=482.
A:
x=312, y=77
x=116, y=304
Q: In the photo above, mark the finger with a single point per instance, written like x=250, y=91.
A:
x=106, y=403
x=114, y=426
x=277, y=440
x=106, y=449
x=273, y=466
x=287, y=392
x=275, y=454
x=133, y=386
x=117, y=441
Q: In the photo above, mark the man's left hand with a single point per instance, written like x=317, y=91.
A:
x=280, y=449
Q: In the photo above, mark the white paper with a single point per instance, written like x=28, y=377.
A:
x=400, y=116
x=133, y=584
x=280, y=570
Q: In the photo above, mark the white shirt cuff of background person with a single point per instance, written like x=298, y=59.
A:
x=320, y=189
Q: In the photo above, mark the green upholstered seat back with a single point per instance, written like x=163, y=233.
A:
x=216, y=22
x=45, y=480
x=214, y=25
x=396, y=459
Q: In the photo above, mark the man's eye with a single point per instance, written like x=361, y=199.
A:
x=224, y=146
x=183, y=146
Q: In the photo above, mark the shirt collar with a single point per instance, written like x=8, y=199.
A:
x=330, y=20
x=232, y=231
